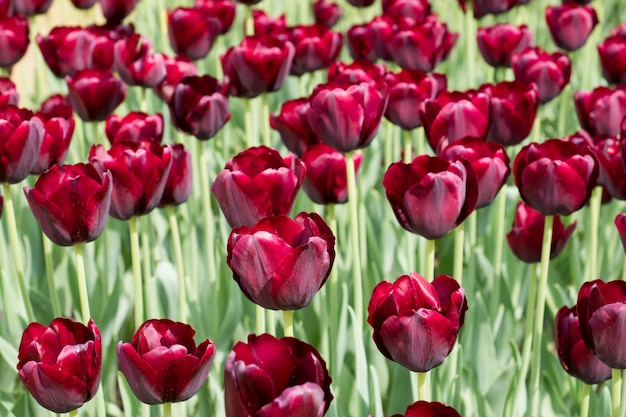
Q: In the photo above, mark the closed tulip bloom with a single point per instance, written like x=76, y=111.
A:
x=408, y=89
x=526, y=235
x=176, y=69
x=550, y=72
x=21, y=135
x=115, y=11
x=14, y=40
x=292, y=123
x=484, y=7
x=498, y=43
x=8, y=93
x=417, y=10
x=612, y=175
x=555, y=177
x=620, y=224
x=248, y=2
x=276, y=377
x=601, y=110
x=258, y=65
x=430, y=409
x=576, y=358
x=200, y=106
x=570, y=24
x=83, y=4
x=355, y=72
x=192, y=31
x=180, y=179
x=71, y=203
x=347, y=116
x=431, y=196
x=133, y=127
x=612, y=53
x=315, y=48
x=416, y=322
x=361, y=3
x=31, y=7
x=137, y=64
x=326, y=12
x=369, y=40
x=223, y=10
x=57, y=105
x=57, y=135
x=61, y=364
x=95, y=94
x=267, y=25
x=139, y=172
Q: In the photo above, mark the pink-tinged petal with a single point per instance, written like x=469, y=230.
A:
x=306, y=400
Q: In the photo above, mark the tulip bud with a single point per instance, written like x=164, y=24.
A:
x=95, y=94
x=369, y=40
x=601, y=110
x=133, y=127
x=267, y=25
x=179, y=181
x=175, y=70
x=115, y=11
x=570, y=24
x=612, y=53
x=8, y=93
x=31, y=7
x=315, y=48
x=550, y=72
x=136, y=64
x=14, y=40
x=612, y=174
x=355, y=72
x=498, y=43
x=83, y=4
x=431, y=409
x=21, y=135
x=223, y=10
x=292, y=123
x=417, y=10
x=326, y=13
x=192, y=31
x=57, y=135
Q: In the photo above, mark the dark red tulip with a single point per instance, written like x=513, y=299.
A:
x=361, y=3
x=429, y=409
x=601, y=111
x=175, y=70
x=180, y=179
x=267, y=25
x=485, y=7
x=363, y=106
x=57, y=105
x=423, y=45
x=21, y=135
x=61, y=364
x=133, y=127
x=550, y=72
x=454, y=115
x=612, y=174
x=431, y=196
x=192, y=31
x=408, y=89
x=355, y=72
x=280, y=263
x=577, y=359
x=31, y=7
x=315, y=48
x=369, y=40
x=95, y=94
x=6, y=8
x=139, y=172
x=498, y=43
x=325, y=180
x=526, y=235
x=200, y=106
x=137, y=64
x=612, y=52
x=620, y=224
x=223, y=10
x=622, y=128
x=417, y=10
x=257, y=183
x=8, y=93
x=513, y=110
x=326, y=12
x=248, y=2
x=276, y=377
x=84, y=4
x=570, y=24
x=115, y=11
x=555, y=177
x=292, y=123
x=71, y=203
x=14, y=40
x=601, y=309
x=416, y=322
x=57, y=135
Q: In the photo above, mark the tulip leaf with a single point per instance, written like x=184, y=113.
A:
x=342, y=332
x=361, y=360
x=8, y=352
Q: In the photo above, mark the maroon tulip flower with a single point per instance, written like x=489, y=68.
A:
x=258, y=65
x=31, y=7
x=267, y=25
x=325, y=180
x=57, y=135
x=276, y=377
x=14, y=40
x=139, y=172
x=257, y=183
x=430, y=409
x=192, y=31
x=555, y=177
x=369, y=40
x=622, y=128
x=248, y=2
x=423, y=45
x=175, y=70
x=280, y=263
x=570, y=24
x=95, y=94
x=347, y=116
x=115, y=11
x=454, y=115
x=21, y=135
x=292, y=123
x=612, y=52
x=408, y=89
x=526, y=235
x=326, y=12
x=417, y=10
x=577, y=359
x=163, y=364
x=484, y=7
x=223, y=10
x=513, y=110
x=612, y=175
x=133, y=127
x=71, y=203
x=416, y=322
x=84, y=4
x=61, y=364
x=431, y=196
x=498, y=43
x=355, y=72
x=601, y=111
x=200, y=106
x=620, y=224
x=137, y=64
x=180, y=179
x=601, y=309
x=57, y=105
x=315, y=48
x=8, y=93
x=550, y=72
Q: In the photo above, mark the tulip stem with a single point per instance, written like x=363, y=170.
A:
x=248, y=123
x=82, y=282
x=265, y=114
x=528, y=324
x=408, y=147
x=423, y=389
x=429, y=267
x=459, y=240
x=419, y=149
x=47, y=257
x=209, y=232
x=354, y=232
x=249, y=25
x=497, y=253
x=584, y=403
x=594, y=217
x=74, y=413
x=616, y=395
x=180, y=269
x=147, y=272
x=624, y=269
x=15, y=246
x=563, y=104
x=470, y=31
x=135, y=255
x=288, y=323
x=167, y=409
x=260, y=320
x=539, y=313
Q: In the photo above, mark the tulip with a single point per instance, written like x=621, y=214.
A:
x=136, y=64
x=355, y=72
x=620, y=224
x=139, y=172
x=430, y=409
x=248, y=2
x=163, y=364
x=369, y=40
x=356, y=124
x=57, y=105
x=179, y=181
x=416, y=322
x=257, y=183
x=431, y=196
x=21, y=135
x=485, y=7
x=315, y=48
x=612, y=174
x=14, y=40
x=31, y=7
x=83, y=4
x=550, y=72
x=192, y=31
x=223, y=10
x=57, y=134
x=361, y=3
x=326, y=12
x=612, y=52
x=622, y=128
x=258, y=65
x=200, y=106
x=8, y=93
x=577, y=359
x=115, y=11
x=417, y=10
x=555, y=177
x=276, y=377
x=570, y=24
x=498, y=43
x=267, y=25
x=601, y=308
x=6, y=8
x=95, y=94
x=292, y=123
x=134, y=127
x=325, y=180
x=71, y=203
x=601, y=110
x=61, y=364
x=175, y=70
x=526, y=235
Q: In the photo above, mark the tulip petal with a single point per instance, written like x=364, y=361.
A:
x=142, y=378
x=306, y=400
x=608, y=328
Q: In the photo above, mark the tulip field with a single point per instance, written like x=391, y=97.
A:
x=350, y=208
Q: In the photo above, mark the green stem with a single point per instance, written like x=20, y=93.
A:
x=332, y=285
x=389, y=136
x=145, y=247
x=74, y=413
x=47, y=256
x=408, y=147
x=96, y=136
x=459, y=238
x=249, y=24
x=429, y=267
x=10, y=315
x=423, y=389
x=270, y=321
x=421, y=138
x=624, y=269
x=267, y=134
x=167, y=409
x=528, y=325
x=136, y=265
x=616, y=395
x=594, y=218
x=354, y=236
x=248, y=123
x=260, y=319
x=584, y=402
x=180, y=269
x=288, y=323
x=209, y=232
x=15, y=247
x=470, y=32
x=563, y=105
x=82, y=282
x=498, y=247
x=539, y=313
